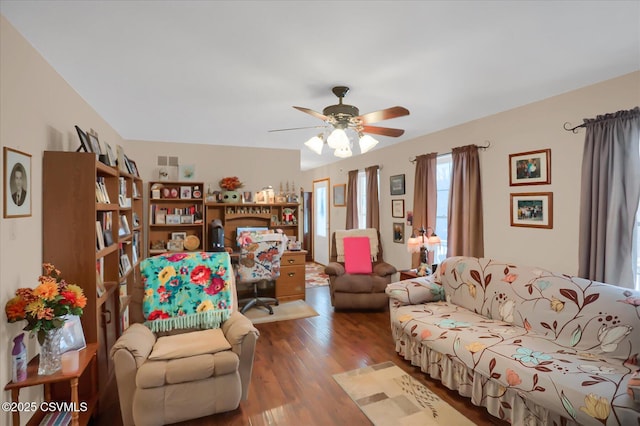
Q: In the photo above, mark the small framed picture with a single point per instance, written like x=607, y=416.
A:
x=173, y=219
x=397, y=208
x=396, y=184
x=247, y=197
x=179, y=236
x=84, y=140
x=532, y=210
x=530, y=168
x=175, y=245
x=409, y=217
x=111, y=156
x=185, y=192
x=134, y=167
x=186, y=219
x=339, y=192
x=95, y=144
x=187, y=171
x=398, y=232
x=17, y=178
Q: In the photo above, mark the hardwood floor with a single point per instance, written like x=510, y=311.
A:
x=292, y=380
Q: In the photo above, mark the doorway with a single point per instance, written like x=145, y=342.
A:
x=320, y=221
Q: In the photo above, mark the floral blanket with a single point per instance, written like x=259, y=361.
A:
x=187, y=290
x=532, y=346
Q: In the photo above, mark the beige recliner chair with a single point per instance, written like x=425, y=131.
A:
x=183, y=374
x=358, y=291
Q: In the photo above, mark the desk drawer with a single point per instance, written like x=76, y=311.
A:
x=291, y=281
x=291, y=258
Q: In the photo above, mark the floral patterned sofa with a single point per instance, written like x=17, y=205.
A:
x=532, y=346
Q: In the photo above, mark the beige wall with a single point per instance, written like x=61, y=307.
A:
x=530, y=127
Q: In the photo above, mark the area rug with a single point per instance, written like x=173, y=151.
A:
x=389, y=396
x=284, y=311
x=314, y=275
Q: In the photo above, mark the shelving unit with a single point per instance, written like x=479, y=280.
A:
x=186, y=210
x=234, y=215
x=74, y=219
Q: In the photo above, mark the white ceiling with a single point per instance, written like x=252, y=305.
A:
x=226, y=72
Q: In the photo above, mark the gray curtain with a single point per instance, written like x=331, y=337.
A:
x=424, y=196
x=609, y=197
x=466, y=235
x=352, y=200
x=373, y=204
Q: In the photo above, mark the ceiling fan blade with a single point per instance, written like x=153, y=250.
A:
x=384, y=131
x=312, y=112
x=294, y=128
x=383, y=114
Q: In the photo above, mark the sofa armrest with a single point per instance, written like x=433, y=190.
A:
x=334, y=268
x=383, y=269
x=138, y=340
x=236, y=328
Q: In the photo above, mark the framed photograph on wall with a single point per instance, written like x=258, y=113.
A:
x=396, y=184
x=532, y=210
x=17, y=183
x=530, y=168
x=397, y=208
x=339, y=192
x=398, y=232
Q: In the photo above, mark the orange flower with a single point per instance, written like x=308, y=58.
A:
x=47, y=290
x=15, y=309
x=512, y=378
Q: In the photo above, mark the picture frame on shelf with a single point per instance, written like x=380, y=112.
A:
x=95, y=143
x=532, y=209
x=185, y=192
x=134, y=167
x=396, y=185
x=179, y=236
x=175, y=245
x=398, y=232
x=247, y=197
x=111, y=156
x=530, y=168
x=72, y=335
x=173, y=219
x=186, y=219
x=85, y=144
x=339, y=193
x=397, y=208
x=17, y=183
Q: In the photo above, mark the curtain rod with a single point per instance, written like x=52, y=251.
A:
x=599, y=119
x=485, y=147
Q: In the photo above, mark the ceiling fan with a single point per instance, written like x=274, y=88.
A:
x=342, y=117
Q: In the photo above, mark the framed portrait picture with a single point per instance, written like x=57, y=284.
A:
x=530, y=168
x=179, y=236
x=398, y=232
x=84, y=141
x=532, y=210
x=247, y=197
x=339, y=192
x=95, y=144
x=185, y=192
x=396, y=184
x=175, y=245
x=17, y=183
x=111, y=156
x=397, y=208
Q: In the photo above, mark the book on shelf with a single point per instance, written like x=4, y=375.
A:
x=125, y=264
x=100, y=288
x=102, y=195
x=136, y=220
x=106, y=221
x=99, y=236
x=124, y=228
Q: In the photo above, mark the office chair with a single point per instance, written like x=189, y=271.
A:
x=260, y=255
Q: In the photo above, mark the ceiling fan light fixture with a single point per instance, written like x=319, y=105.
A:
x=367, y=143
x=338, y=139
x=343, y=152
x=315, y=144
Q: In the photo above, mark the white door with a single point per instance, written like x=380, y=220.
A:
x=321, y=221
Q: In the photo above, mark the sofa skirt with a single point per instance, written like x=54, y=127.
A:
x=504, y=403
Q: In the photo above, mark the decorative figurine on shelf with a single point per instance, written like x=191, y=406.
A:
x=287, y=216
x=230, y=184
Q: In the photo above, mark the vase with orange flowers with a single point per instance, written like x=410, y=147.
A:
x=230, y=184
x=44, y=308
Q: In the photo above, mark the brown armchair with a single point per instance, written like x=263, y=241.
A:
x=359, y=291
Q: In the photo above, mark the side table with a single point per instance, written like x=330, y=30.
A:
x=408, y=274
x=87, y=357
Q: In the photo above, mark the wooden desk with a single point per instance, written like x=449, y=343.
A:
x=87, y=357
x=291, y=283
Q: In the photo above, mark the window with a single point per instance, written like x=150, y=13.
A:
x=362, y=198
x=443, y=183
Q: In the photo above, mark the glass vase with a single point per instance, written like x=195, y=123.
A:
x=50, y=353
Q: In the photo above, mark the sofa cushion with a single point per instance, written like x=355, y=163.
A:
x=189, y=344
x=357, y=255
x=155, y=374
x=415, y=290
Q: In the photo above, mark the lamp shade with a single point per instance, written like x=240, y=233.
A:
x=338, y=139
x=366, y=143
x=343, y=152
x=315, y=144
x=413, y=244
x=433, y=242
